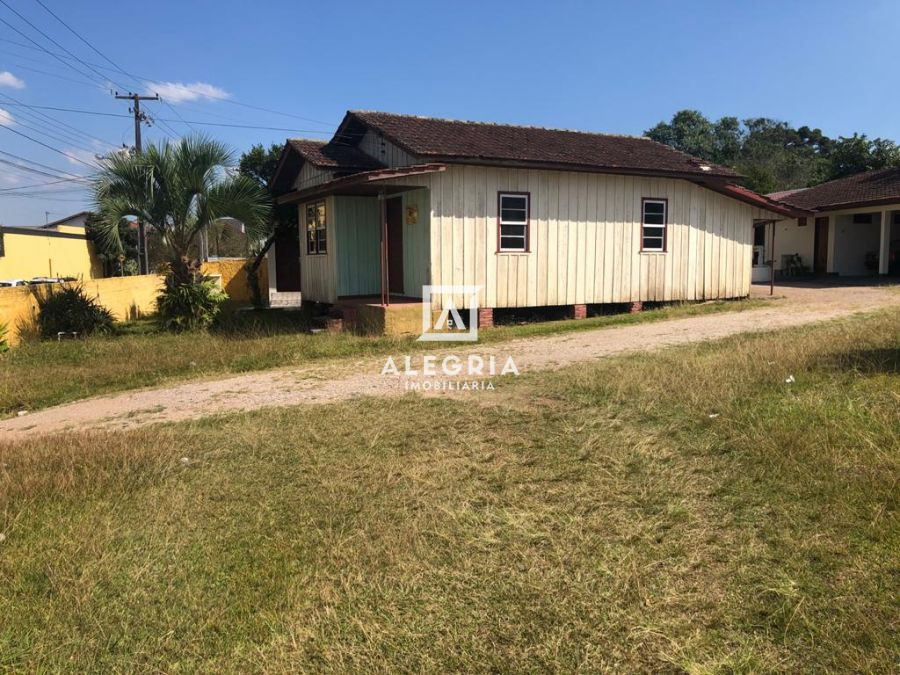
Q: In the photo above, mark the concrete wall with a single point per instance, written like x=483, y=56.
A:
x=792, y=238
x=851, y=243
x=125, y=297
x=234, y=278
x=48, y=255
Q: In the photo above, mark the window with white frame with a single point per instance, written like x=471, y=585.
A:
x=653, y=225
x=316, y=242
x=513, y=234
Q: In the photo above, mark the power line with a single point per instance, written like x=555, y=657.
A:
x=169, y=119
x=103, y=77
x=52, y=120
x=146, y=81
x=49, y=147
x=37, y=185
x=60, y=173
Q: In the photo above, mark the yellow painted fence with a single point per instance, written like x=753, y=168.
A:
x=126, y=297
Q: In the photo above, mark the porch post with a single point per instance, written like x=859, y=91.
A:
x=884, y=247
x=772, y=263
x=385, y=290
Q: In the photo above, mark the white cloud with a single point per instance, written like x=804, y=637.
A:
x=76, y=156
x=6, y=119
x=178, y=92
x=7, y=79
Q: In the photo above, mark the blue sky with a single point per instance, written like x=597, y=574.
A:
x=584, y=65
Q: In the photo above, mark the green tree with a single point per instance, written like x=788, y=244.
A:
x=177, y=190
x=860, y=153
x=259, y=164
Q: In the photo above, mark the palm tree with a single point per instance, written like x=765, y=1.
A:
x=178, y=189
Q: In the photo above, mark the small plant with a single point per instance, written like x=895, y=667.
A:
x=68, y=309
x=191, y=306
x=4, y=344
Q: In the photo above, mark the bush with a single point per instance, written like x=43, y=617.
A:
x=191, y=306
x=68, y=309
x=4, y=345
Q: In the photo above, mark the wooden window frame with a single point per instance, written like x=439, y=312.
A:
x=315, y=241
x=508, y=193
x=665, y=225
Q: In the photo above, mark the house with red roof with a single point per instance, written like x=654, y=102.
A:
x=853, y=228
x=533, y=217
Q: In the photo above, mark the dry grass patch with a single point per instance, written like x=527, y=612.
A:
x=42, y=374
x=617, y=526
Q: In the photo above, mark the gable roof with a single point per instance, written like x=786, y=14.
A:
x=870, y=188
x=327, y=155
x=434, y=139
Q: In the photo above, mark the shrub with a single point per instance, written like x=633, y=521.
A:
x=190, y=306
x=4, y=345
x=68, y=309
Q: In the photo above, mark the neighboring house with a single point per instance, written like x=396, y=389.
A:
x=57, y=249
x=535, y=216
x=853, y=228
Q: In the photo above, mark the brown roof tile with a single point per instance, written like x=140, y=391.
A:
x=451, y=140
x=326, y=155
x=881, y=186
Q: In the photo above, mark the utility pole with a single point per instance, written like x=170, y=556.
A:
x=143, y=260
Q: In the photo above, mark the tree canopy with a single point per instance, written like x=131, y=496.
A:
x=771, y=154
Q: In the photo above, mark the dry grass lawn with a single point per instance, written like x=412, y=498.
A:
x=687, y=511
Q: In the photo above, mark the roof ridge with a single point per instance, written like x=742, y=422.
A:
x=506, y=124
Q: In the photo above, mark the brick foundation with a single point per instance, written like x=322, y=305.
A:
x=485, y=317
x=579, y=311
x=636, y=307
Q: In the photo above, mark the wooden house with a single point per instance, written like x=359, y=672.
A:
x=534, y=216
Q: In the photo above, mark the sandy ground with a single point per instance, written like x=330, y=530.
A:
x=793, y=305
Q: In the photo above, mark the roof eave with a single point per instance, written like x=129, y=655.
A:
x=358, y=179
x=564, y=166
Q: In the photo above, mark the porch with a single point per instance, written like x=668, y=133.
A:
x=849, y=242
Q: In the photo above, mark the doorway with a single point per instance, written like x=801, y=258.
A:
x=394, y=216
x=820, y=246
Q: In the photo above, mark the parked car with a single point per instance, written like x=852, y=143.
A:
x=8, y=283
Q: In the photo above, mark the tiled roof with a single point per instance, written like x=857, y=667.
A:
x=881, y=186
x=767, y=202
x=450, y=140
x=334, y=156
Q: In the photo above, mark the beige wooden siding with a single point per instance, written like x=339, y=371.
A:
x=585, y=234
x=310, y=176
x=318, y=273
x=377, y=146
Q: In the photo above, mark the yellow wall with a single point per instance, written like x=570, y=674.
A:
x=34, y=255
x=234, y=278
x=125, y=297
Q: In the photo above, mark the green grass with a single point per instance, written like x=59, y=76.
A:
x=685, y=511
x=42, y=374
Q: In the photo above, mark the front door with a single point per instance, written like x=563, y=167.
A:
x=395, y=245
x=820, y=247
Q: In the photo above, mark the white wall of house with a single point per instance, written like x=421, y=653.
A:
x=586, y=238
x=791, y=238
x=852, y=241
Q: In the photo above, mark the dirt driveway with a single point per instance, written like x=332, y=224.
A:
x=793, y=305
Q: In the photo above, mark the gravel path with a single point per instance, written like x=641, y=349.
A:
x=798, y=304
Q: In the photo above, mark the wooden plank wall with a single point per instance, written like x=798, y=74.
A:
x=318, y=273
x=375, y=145
x=585, y=238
